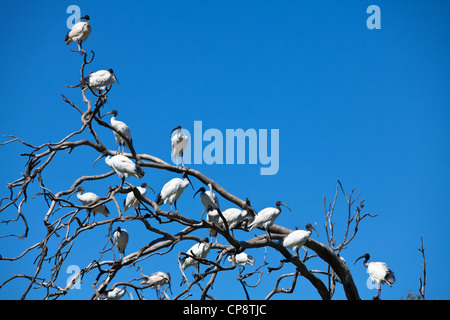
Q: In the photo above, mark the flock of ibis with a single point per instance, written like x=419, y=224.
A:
x=171, y=192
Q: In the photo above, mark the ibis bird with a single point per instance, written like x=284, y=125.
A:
x=79, y=32
x=99, y=80
x=121, y=127
x=296, y=239
x=242, y=259
x=172, y=190
x=378, y=272
x=157, y=280
x=89, y=198
x=132, y=201
x=208, y=197
x=179, y=143
x=114, y=294
x=212, y=217
x=234, y=215
x=123, y=166
x=198, y=251
x=120, y=237
x=266, y=217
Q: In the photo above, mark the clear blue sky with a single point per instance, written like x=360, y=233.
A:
x=370, y=107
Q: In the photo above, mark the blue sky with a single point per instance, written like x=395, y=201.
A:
x=368, y=107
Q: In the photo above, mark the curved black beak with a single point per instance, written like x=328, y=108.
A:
x=315, y=231
x=363, y=256
x=282, y=204
x=201, y=189
x=114, y=112
x=178, y=127
x=104, y=153
x=147, y=186
x=187, y=177
x=249, y=210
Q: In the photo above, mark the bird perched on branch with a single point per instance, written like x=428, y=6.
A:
x=234, y=215
x=132, y=201
x=172, y=190
x=198, y=251
x=378, y=272
x=114, y=294
x=99, y=80
x=122, y=128
x=120, y=237
x=123, y=166
x=179, y=143
x=296, y=239
x=266, y=217
x=89, y=198
x=208, y=197
x=156, y=281
x=79, y=32
x=212, y=217
x=242, y=259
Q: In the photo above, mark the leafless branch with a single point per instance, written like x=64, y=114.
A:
x=65, y=221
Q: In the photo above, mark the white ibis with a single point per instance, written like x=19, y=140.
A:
x=172, y=190
x=123, y=166
x=199, y=250
x=212, y=217
x=89, y=198
x=132, y=201
x=378, y=273
x=208, y=197
x=266, y=217
x=242, y=259
x=79, y=32
x=296, y=239
x=114, y=294
x=99, y=80
x=122, y=128
x=179, y=143
x=157, y=280
x=234, y=215
x=120, y=237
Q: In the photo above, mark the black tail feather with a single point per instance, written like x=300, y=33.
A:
x=140, y=172
x=390, y=277
x=158, y=199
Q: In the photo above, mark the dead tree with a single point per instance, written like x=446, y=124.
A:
x=64, y=222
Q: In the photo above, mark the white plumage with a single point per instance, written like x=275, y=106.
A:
x=121, y=127
x=378, y=272
x=99, y=80
x=90, y=198
x=120, y=237
x=266, y=217
x=79, y=32
x=157, y=280
x=172, y=190
x=208, y=197
x=179, y=143
x=124, y=167
x=131, y=200
x=114, y=294
x=199, y=250
x=296, y=239
x=233, y=216
x=242, y=259
x=212, y=217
